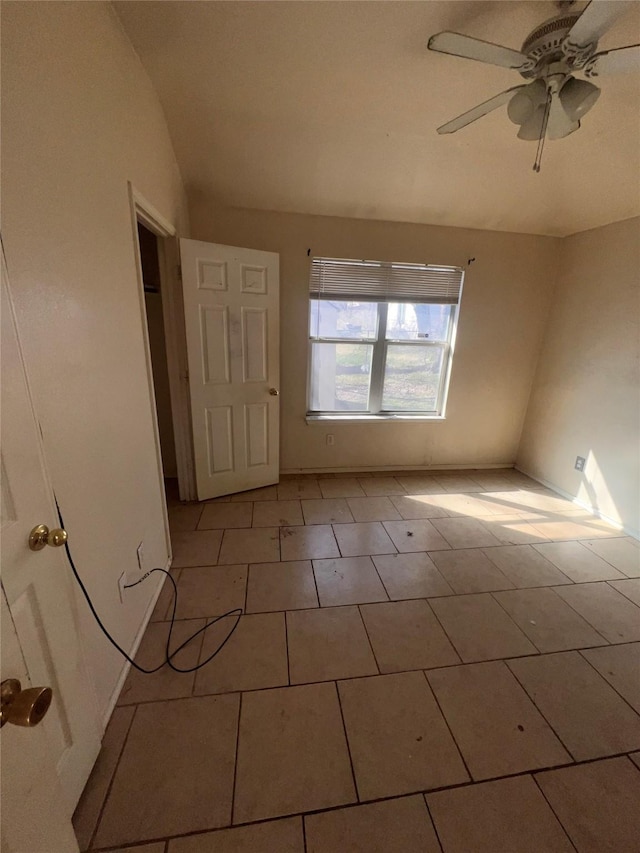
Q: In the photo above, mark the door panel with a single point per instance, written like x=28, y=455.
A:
x=37, y=584
x=231, y=299
x=220, y=439
x=215, y=345
x=254, y=344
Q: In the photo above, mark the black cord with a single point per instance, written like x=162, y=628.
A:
x=168, y=655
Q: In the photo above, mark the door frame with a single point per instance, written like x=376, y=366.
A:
x=173, y=318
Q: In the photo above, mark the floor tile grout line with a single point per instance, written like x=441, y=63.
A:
x=417, y=792
x=194, y=674
x=600, y=538
x=452, y=594
x=246, y=591
x=539, y=650
x=286, y=640
x=111, y=781
x=482, y=519
x=568, y=581
x=315, y=583
x=582, y=616
x=444, y=631
x=346, y=740
x=623, y=593
x=606, y=680
x=335, y=539
x=557, y=817
x=433, y=823
x=449, y=729
x=375, y=568
x=328, y=680
x=235, y=762
x=541, y=712
x=483, y=550
x=364, y=625
x=443, y=572
x=215, y=830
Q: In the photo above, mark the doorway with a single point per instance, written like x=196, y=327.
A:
x=152, y=287
x=162, y=313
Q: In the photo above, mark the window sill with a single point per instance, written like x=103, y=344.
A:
x=353, y=418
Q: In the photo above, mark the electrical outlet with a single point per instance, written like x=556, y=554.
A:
x=579, y=466
x=140, y=553
x=331, y=439
x=122, y=580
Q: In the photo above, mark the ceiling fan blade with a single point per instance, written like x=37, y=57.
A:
x=479, y=111
x=559, y=124
x=618, y=61
x=482, y=51
x=594, y=22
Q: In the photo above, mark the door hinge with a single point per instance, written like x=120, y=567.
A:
x=179, y=272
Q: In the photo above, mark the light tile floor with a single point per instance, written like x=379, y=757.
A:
x=444, y=662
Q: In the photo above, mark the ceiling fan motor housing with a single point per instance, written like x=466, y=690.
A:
x=544, y=46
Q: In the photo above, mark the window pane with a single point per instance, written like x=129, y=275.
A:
x=417, y=321
x=343, y=319
x=412, y=378
x=340, y=376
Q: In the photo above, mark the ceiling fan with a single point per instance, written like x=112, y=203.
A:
x=554, y=101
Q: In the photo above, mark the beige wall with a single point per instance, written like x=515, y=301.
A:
x=506, y=297
x=80, y=119
x=586, y=396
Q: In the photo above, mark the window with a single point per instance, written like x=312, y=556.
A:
x=381, y=337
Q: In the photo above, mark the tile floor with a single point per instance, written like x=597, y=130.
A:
x=444, y=662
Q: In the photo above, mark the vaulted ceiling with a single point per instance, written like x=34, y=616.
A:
x=332, y=107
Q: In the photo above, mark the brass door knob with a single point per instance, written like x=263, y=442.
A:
x=23, y=707
x=274, y=392
x=41, y=536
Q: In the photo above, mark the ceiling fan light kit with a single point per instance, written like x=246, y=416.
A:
x=524, y=103
x=531, y=128
x=553, y=104
x=577, y=97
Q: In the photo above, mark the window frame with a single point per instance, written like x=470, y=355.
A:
x=380, y=345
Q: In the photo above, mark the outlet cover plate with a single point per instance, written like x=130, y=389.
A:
x=580, y=461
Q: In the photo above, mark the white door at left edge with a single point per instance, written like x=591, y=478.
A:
x=231, y=306
x=39, y=598
x=34, y=817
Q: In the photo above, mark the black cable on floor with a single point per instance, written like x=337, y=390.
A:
x=168, y=655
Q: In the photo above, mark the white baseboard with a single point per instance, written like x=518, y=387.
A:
x=635, y=534
x=132, y=652
x=366, y=469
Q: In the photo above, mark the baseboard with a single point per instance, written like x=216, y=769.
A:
x=366, y=469
x=132, y=652
x=635, y=534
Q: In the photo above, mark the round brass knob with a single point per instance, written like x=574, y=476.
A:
x=274, y=392
x=23, y=707
x=56, y=538
x=41, y=536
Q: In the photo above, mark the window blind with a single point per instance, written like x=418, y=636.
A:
x=380, y=281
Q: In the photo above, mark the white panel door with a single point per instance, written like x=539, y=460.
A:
x=231, y=304
x=34, y=816
x=39, y=593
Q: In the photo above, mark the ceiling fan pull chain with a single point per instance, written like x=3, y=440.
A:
x=543, y=133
